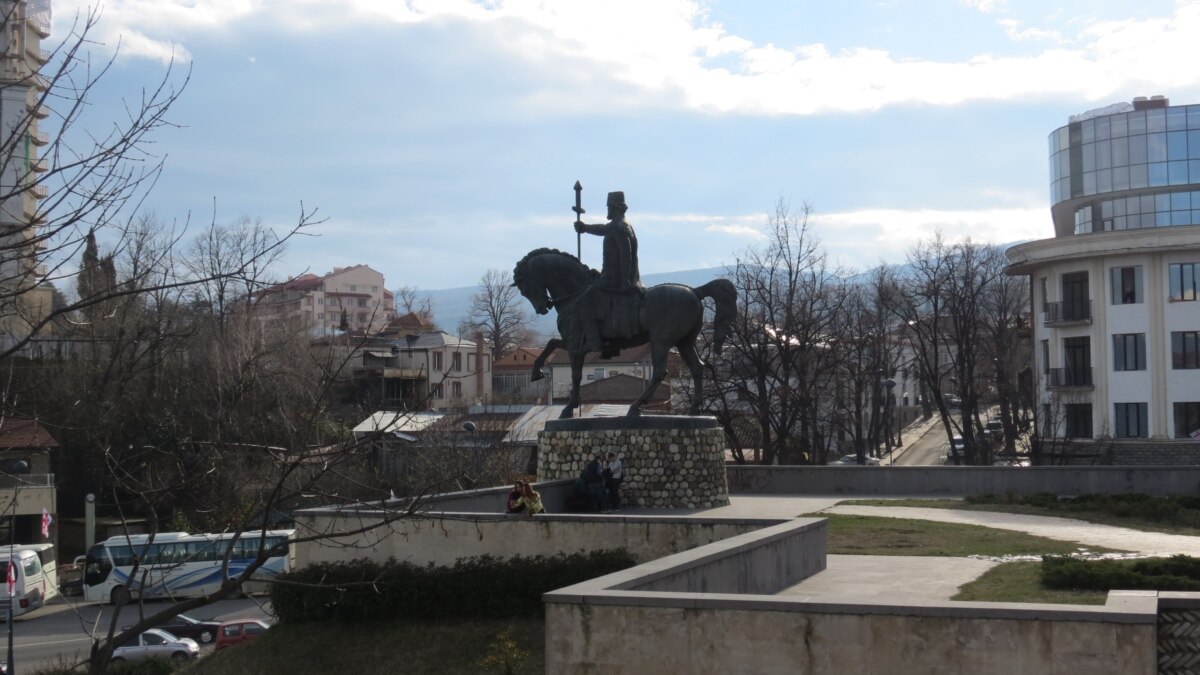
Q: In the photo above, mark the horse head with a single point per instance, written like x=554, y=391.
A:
x=545, y=276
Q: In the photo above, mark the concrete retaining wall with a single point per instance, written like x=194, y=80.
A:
x=718, y=634
x=962, y=480
x=442, y=538
x=675, y=615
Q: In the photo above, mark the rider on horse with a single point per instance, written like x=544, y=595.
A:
x=618, y=291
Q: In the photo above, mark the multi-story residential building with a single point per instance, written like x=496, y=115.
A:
x=1116, y=291
x=22, y=186
x=427, y=370
x=348, y=298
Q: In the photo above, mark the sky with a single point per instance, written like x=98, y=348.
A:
x=441, y=138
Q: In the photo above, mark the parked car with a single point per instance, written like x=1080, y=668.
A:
x=958, y=450
x=182, y=625
x=156, y=642
x=853, y=459
x=994, y=428
x=240, y=630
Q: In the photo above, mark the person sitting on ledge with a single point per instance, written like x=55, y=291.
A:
x=531, y=501
x=514, y=498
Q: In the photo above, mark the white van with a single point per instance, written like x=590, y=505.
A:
x=36, y=573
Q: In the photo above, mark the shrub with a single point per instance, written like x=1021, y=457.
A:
x=474, y=588
x=1177, y=573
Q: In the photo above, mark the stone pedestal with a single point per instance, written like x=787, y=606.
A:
x=670, y=461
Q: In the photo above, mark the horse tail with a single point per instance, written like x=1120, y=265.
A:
x=725, y=295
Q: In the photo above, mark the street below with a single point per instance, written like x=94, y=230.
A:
x=61, y=631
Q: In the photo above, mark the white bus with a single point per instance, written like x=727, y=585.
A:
x=36, y=573
x=177, y=564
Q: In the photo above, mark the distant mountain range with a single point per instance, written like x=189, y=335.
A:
x=451, y=306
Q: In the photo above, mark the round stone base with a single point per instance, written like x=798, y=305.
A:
x=664, y=467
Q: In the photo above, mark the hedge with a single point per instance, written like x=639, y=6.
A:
x=474, y=588
x=1177, y=573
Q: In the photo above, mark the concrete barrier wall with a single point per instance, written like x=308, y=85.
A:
x=764, y=561
x=962, y=480
x=442, y=538
x=717, y=634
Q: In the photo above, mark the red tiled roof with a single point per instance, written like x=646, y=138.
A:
x=520, y=359
x=22, y=432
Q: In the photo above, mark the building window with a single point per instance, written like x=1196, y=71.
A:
x=1045, y=293
x=362, y=302
x=1129, y=351
x=1184, y=281
x=1045, y=357
x=1187, y=419
x=1185, y=350
x=456, y=362
x=437, y=390
x=437, y=362
x=353, y=288
x=1129, y=420
x=320, y=316
x=320, y=301
x=1078, y=418
x=1127, y=285
x=374, y=289
x=362, y=317
x=456, y=389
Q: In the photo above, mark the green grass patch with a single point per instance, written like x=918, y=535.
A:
x=872, y=535
x=1022, y=582
x=1149, y=513
x=1177, y=573
x=369, y=648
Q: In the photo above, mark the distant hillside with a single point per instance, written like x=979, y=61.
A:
x=452, y=305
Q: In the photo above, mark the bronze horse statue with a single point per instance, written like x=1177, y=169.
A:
x=669, y=315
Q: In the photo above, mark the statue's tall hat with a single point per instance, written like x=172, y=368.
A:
x=616, y=199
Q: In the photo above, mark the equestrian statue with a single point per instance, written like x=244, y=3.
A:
x=610, y=310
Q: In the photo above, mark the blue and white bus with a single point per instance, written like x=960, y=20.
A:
x=178, y=564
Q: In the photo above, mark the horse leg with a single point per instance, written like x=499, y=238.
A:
x=687, y=350
x=658, y=357
x=553, y=344
x=576, y=377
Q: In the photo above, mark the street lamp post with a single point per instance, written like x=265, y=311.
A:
x=18, y=467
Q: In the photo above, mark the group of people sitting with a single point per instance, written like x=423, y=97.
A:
x=600, y=483
x=524, y=499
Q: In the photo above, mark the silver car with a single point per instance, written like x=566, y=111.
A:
x=156, y=643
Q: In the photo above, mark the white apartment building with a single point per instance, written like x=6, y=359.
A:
x=320, y=303
x=1116, y=292
x=22, y=171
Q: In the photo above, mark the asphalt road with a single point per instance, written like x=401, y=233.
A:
x=61, y=629
x=929, y=449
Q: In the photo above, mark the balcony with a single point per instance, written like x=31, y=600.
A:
x=39, y=166
x=1065, y=313
x=39, y=191
x=39, y=23
x=1069, y=377
x=39, y=138
x=39, y=55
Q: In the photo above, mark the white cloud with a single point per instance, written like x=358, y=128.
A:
x=851, y=235
x=985, y=6
x=662, y=52
x=737, y=230
x=1012, y=28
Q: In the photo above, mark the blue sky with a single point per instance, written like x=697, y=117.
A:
x=441, y=138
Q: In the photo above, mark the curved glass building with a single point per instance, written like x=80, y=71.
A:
x=1116, y=316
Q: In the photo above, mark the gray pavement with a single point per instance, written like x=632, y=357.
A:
x=916, y=578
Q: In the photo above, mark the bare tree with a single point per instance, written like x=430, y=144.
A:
x=779, y=354
x=499, y=313
x=410, y=300
x=81, y=190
